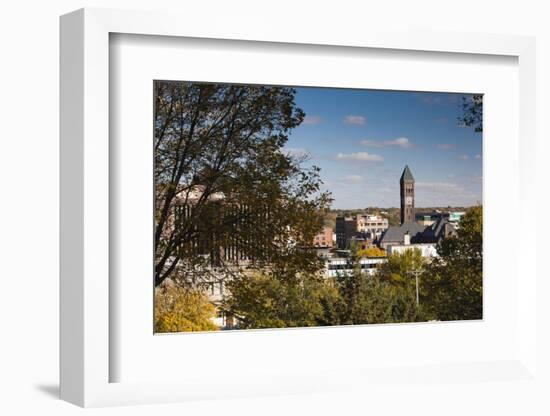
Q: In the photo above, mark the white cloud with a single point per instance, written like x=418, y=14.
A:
x=353, y=178
x=477, y=157
x=464, y=157
x=445, y=146
x=402, y=142
x=355, y=120
x=312, y=120
x=359, y=156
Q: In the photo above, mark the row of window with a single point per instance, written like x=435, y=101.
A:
x=347, y=267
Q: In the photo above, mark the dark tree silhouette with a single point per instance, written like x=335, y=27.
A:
x=472, y=112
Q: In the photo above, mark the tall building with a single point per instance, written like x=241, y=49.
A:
x=406, y=184
x=346, y=227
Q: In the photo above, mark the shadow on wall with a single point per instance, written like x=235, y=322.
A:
x=51, y=390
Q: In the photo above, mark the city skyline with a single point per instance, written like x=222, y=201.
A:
x=362, y=139
x=243, y=236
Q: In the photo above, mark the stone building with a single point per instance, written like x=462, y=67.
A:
x=406, y=187
x=411, y=232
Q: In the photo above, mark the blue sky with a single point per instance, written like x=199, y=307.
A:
x=362, y=140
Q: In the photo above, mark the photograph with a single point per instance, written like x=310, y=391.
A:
x=292, y=207
x=248, y=208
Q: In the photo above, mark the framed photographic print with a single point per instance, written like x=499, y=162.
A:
x=248, y=205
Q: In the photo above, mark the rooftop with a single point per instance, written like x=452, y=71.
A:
x=419, y=233
x=406, y=175
x=395, y=234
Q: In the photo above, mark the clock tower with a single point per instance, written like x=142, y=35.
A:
x=406, y=185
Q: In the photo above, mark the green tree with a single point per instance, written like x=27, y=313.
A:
x=387, y=296
x=368, y=299
x=399, y=268
x=401, y=272
x=453, y=287
x=219, y=150
x=178, y=309
x=265, y=301
x=363, y=299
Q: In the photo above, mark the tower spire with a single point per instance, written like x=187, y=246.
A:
x=406, y=175
x=406, y=187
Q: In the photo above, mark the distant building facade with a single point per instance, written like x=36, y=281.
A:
x=324, y=238
x=341, y=266
x=429, y=218
x=455, y=217
x=426, y=250
x=346, y=227
x=359, y=228
x=373, y=224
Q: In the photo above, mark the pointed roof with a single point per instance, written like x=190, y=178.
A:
x=407, y=175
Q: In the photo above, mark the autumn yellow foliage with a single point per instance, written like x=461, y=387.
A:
x=371, y=252
x=182, y=310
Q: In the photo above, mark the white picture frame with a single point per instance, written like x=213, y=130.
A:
x=85, y=217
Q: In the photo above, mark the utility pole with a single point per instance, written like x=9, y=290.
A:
x=416, y=273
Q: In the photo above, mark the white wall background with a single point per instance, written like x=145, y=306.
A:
x=29, y=196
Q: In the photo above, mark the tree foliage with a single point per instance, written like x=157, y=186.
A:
x=472, y=112
x=371, y=252
x=179, y=309
x=453, y=285
x=387, y=296
x=218, y=148
x=399, y=268
x=265, y=301
x=368, y=299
